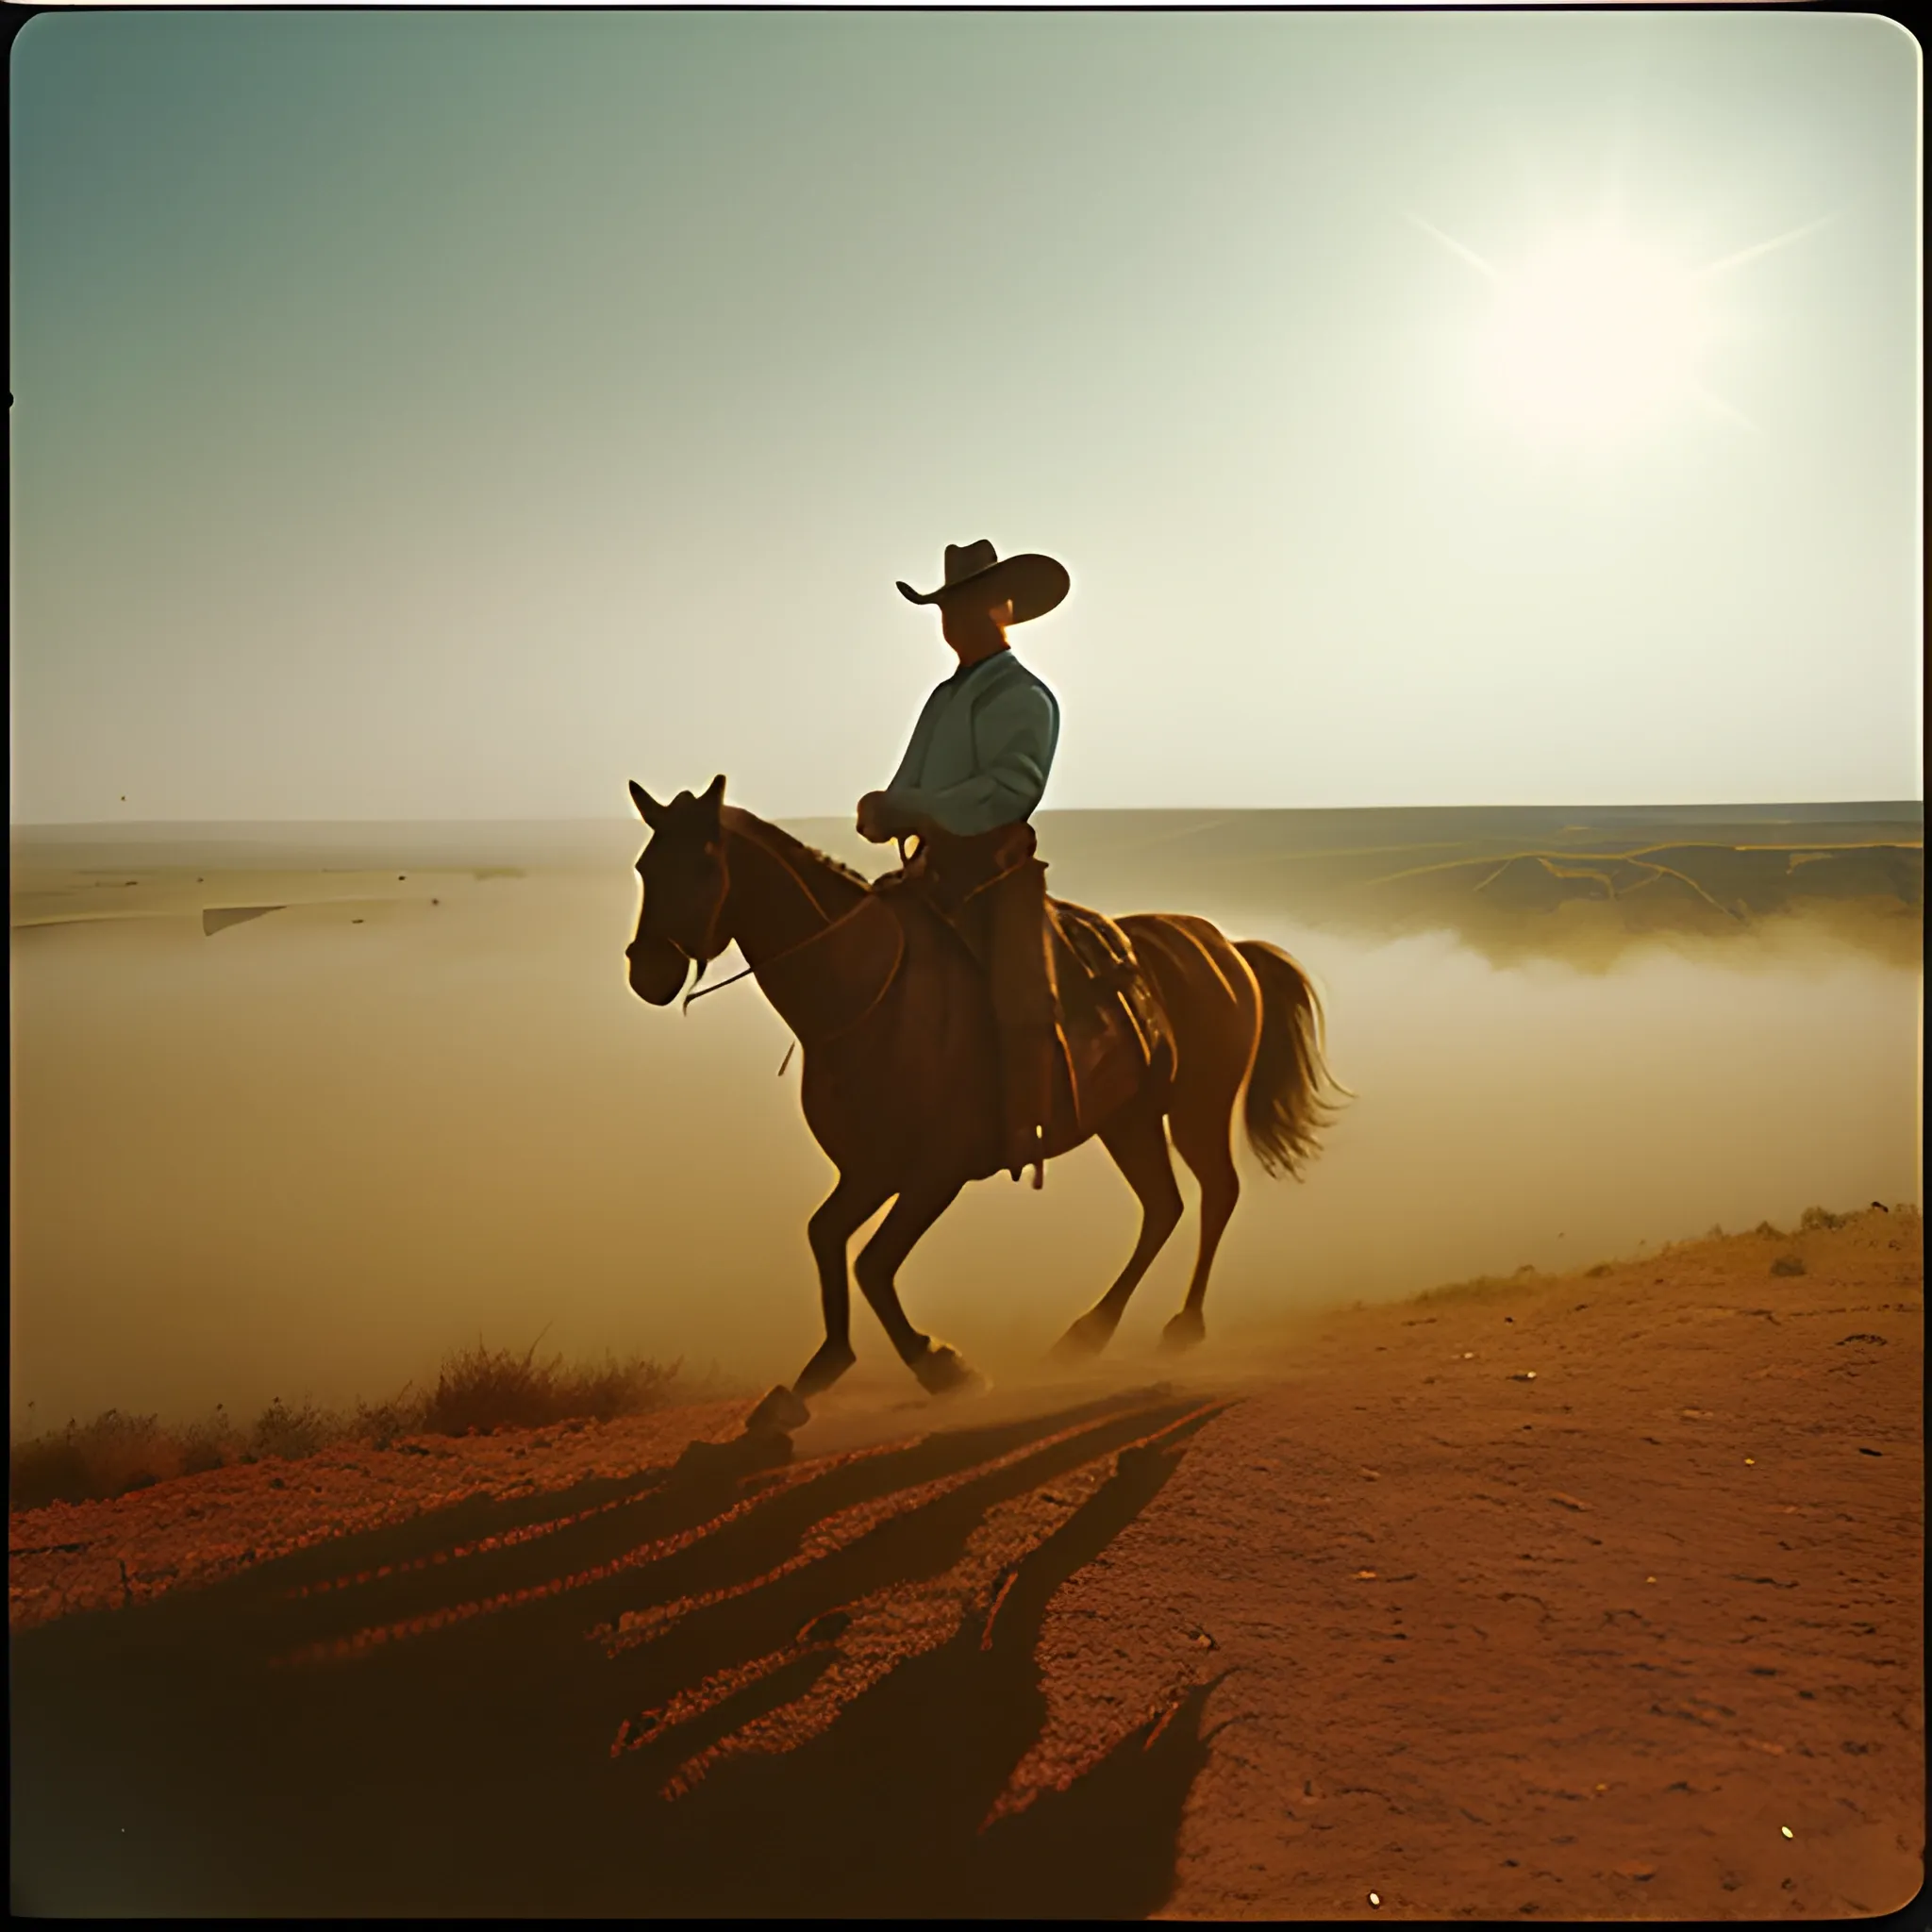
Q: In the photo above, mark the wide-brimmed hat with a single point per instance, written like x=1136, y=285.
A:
x=1035, y=584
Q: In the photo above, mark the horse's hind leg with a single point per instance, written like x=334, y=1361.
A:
x=1202, y=1126
x=839, y=1217
x=1138, y=1142
x=920, y=1204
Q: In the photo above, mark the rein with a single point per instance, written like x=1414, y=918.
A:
x=784, y=953
x=696, y=994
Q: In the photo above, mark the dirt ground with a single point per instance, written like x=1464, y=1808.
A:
x=1587, y=1645
x=1590, y=1597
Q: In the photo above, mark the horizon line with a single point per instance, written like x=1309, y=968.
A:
x=15, y=826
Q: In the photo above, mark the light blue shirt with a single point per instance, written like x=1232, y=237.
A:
x=981, y=749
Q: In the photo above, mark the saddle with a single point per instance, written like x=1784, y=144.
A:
x=1109, y=1021
x=1112, y=1026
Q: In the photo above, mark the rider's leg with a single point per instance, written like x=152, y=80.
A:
x=1022, y=987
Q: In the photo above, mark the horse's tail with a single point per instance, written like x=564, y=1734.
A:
x=1290, y=1084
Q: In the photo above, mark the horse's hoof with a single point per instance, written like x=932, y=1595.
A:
x=823, y=1368
x=1187, y=1331
x=1087, y=1337
x=778, y=1414
x=942, y=1370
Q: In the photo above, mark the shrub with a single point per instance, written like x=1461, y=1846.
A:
x=1479, y=1288
x=479, y=1390
x=483, y=1390
x=1815, y=1218
x=1788, y=1264
x=108, y=1455
x=210, y=1445
x=292, y=1432
x=381, y=1423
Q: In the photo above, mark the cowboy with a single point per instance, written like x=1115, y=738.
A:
x=966, y=788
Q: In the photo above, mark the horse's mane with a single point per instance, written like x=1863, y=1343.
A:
x=775, y=837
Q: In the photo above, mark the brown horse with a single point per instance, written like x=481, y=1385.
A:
x=899, y=1071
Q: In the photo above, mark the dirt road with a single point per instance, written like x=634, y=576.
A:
x=1595, y=1597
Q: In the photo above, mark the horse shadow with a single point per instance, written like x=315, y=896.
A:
x=420, y=1719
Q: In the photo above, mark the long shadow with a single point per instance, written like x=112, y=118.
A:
x=180, y=1757
x=881, y=1814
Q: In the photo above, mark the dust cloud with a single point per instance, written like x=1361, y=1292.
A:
x=306, y=1153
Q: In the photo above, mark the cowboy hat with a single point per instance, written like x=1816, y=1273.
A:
x=1035, y=584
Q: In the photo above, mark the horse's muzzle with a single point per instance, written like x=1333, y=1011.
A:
x=658, y=969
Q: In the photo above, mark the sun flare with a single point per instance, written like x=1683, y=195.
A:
x=1595, y=338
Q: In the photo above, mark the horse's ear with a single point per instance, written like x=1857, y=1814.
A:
x=714, y=793
x=651, y=811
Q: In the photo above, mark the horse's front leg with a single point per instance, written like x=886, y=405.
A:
x=938, y=1367
x=840, y=1216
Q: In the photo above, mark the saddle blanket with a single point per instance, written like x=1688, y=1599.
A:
x=1112, y=1026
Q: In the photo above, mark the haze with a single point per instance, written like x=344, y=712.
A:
x=453, y=415
x=308, y=1153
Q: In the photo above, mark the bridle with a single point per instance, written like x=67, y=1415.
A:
x=790, y=872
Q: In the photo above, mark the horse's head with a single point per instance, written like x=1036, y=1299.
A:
x=685, y=884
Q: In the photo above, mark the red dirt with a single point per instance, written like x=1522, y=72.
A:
x=197, y=1530
x=1565, y=1598
x=1583, y=1646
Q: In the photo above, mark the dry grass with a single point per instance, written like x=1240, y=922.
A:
x=482, y=1389
x=1813, y=1221
x=1477, y=1288
x=479, y=1390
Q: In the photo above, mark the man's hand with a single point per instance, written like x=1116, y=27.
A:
x=873, y=817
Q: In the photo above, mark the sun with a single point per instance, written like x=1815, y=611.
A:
x=1596, y=338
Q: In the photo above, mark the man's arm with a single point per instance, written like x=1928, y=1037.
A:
x=877, y=821
x=1016, y=730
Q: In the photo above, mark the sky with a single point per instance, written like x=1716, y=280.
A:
x=455, y=415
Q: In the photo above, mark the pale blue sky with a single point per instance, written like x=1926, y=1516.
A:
x=457, y=414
